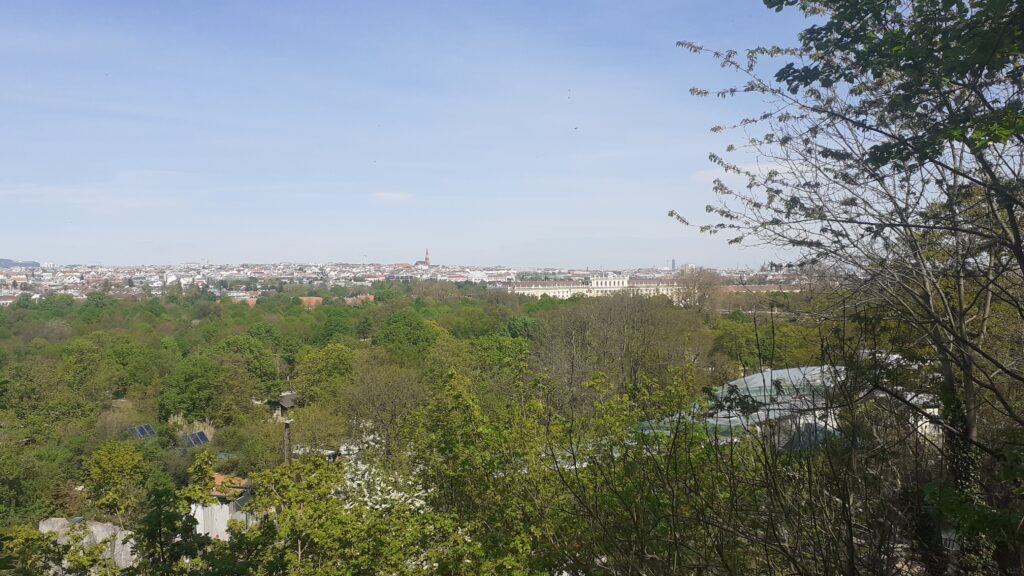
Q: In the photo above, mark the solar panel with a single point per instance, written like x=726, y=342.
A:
x=144, y=431
x=196, y=439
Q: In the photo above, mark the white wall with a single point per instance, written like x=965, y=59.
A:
x=213, y=519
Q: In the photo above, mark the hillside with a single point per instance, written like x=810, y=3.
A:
x=6, y=263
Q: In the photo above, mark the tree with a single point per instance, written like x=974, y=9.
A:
x=697, y=288
x=520, y=327
x=381, y=400
x=251, y=353
x=116, y=475
x=364, y=328
x=197, y=388
x=630, y=339
x=34, y=552
x=201, y=485
x=433, y=291
x=482, y=470
x=166, y=542
x=332, y=519
x=893, y=151
x=407, y=336
x=324, y=372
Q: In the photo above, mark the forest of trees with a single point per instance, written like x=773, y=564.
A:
x=497, y=434
x=463, y=403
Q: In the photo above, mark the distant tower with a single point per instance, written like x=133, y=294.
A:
x=673, y=264
x=426, y=258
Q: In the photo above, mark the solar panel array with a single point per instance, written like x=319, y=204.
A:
x=144, y=431
x=196, y=439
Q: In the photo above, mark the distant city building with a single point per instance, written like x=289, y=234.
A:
x=597, y=286
x=736, y=288
x=425, y=263
x=358, y=299
x=244, y=283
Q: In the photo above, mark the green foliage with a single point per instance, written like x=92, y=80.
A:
x=254, y=443
x=338, y=325
x=407, y=337
x=267, y=333
x=329, y=520
x=387, y=292
x=324, y=372
x=34, y=553
x=469, y=414
x=195, y=389
x=251, y=353
x=201, y=485
x=935, y=44
x=25, y=483
x=483, y=469
x=166, y=542
x=116, y=475
x=520, y=327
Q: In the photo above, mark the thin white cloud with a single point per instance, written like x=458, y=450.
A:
x=392, y=197
x=125, y=189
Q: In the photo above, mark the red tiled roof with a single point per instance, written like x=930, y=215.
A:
x=228, y=486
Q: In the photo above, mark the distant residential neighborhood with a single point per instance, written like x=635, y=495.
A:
x=247, y=282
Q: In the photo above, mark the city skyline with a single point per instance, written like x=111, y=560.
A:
x=663, y=264
x=244, y=281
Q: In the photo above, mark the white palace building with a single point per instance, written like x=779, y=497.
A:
x=597, y=286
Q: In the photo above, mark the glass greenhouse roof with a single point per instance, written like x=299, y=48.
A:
x=799, y=395
x=780, y=385
x=794, y=393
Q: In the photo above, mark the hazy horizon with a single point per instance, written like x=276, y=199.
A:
x=667, y=263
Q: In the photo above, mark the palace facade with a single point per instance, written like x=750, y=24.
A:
x=597, y=286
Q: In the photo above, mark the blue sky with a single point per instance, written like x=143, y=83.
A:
x=518, y=133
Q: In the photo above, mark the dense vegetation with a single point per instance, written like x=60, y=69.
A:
x=462, y=396
x=495, y=435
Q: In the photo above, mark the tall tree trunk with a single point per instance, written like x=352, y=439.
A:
x=974, y=553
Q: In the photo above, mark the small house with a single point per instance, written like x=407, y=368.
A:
x=280, y=406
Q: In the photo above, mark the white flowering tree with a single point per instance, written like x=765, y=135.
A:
x=345, y=520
